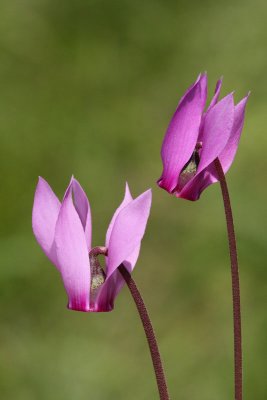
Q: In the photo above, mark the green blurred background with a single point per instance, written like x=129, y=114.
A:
x=88, y=87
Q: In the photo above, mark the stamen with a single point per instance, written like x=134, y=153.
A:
x=98, y=275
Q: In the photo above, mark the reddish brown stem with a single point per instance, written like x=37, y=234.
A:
x=150, y=335
x=235, y=281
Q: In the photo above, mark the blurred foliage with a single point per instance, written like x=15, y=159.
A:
x=88, y=87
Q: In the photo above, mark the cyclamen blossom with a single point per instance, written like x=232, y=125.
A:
x=195, y=138
x=64, y=232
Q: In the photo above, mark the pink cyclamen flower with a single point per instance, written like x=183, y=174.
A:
x=64, y=232
x=195, y=138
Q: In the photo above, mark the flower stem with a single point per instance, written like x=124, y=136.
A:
x=149, y=331
x=235, y=281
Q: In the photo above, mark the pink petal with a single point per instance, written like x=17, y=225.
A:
x=182, y=134
x=127, y=199
x=212, y=103
x=228, y=154
x=44, y=217
x=82, y=207
x=203, y=84
x=216, y=94
x=216, y=131
x=72, y=254
x=195, y=187
x=115, y=282
x=128, y=231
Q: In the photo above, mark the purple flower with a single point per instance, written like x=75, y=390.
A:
x=195, y=138
x=64, y=232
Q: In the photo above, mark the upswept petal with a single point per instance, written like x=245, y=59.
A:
x=72, y=254
x=114, y=283
x=82, y=207
x=128, y=230
x=214, y=101
x=45, y=212
x=215, y=98
x=227, y=155
x=216, y=131
x=127, y=199
x=201, y=77
x=182, y=133
x=204, y=88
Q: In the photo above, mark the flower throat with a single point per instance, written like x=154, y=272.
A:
x=190, y=168
x=98, y=275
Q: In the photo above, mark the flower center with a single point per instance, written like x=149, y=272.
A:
x=98, y=275
x=190, y=168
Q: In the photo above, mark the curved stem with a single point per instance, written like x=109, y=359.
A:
x=150, y=335
x=235, y=281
